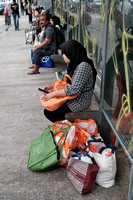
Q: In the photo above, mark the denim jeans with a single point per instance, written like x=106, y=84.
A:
x=22, y=10
x=16, y=21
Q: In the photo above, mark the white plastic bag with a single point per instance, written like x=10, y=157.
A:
x=71, y=136
x=29, y=37
x=106, y=161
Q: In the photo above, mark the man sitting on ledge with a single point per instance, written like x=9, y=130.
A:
x=47, y=44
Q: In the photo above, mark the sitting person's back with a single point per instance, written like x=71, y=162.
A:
x=60, y=37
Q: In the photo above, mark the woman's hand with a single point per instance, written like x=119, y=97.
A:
x=46, y=97
x=49, y=88
x=59, y=93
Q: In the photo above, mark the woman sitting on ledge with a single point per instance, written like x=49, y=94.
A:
x=83, y=73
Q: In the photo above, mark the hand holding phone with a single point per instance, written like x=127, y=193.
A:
x=40, y=89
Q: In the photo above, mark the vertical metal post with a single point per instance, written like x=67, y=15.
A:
x=67, y=8
x=79, y=21
x=104, y=51
x=19, y=7
x=130, y=193
x=104, y=59
x=117, y=143
x=61, y=8
x=52, y=2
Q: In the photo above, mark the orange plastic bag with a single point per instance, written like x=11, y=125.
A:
x=67, y=145
x=77, y=136
x=56, y=102
x=60, y=84
x=85, y=129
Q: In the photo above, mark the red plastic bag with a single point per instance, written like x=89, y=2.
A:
x=82, y=174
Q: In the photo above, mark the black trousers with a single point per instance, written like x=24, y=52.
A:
x=58, y=114
x=30, y=18
x=40, y=53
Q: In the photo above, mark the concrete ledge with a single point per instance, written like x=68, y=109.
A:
x=57, y=57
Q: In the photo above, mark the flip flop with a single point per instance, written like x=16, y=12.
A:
x=33, y=72
x=31, y=67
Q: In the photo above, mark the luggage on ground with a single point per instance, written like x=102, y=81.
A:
x=29, y=36
x=106, y=161
x=44, y=153
x=82, y=174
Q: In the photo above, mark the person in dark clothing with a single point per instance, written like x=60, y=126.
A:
x=15, y=13
x=29, y=6
x=22, y=8
x=39, y=9
x=83, y=73
x=56, y=22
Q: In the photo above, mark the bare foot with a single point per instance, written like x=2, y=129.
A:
x=35, y=70
x=31, y=67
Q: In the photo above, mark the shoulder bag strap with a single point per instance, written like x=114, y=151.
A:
x=67, y=75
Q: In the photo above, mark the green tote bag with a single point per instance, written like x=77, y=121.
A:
x=44, y=154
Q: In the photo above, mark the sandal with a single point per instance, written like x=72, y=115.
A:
x=31, y=67
x=33, y=72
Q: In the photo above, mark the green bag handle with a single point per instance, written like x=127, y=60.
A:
x=63, y=129
x=60, y=150
x=66, y=130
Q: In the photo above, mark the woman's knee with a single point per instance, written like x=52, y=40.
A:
x=48, y=114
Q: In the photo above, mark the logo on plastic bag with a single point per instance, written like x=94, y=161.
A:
x=45, y=59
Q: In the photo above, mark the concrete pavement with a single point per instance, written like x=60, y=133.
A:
x=22, y=121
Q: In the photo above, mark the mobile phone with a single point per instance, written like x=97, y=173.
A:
x=42, y=90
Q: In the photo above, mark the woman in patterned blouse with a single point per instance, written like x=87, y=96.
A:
x=83, y=73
